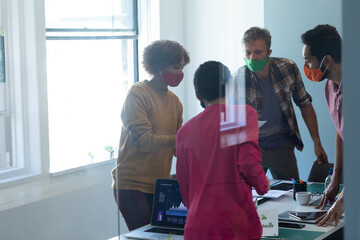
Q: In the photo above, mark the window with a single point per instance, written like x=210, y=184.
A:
x=92, y=60
x=5, y=113
x=65, y=67
x=15, y=151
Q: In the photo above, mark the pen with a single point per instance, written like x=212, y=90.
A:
x=275, y=183
x=293, y=180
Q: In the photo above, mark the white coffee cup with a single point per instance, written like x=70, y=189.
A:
x=303, y=198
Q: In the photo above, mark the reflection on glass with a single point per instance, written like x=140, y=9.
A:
x=218, y=162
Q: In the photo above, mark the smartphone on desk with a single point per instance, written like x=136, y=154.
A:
x=291, y=225
x=282, y=186
x=306, y=215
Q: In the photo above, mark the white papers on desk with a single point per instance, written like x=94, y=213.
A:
x=270, y=193
x=261, y=123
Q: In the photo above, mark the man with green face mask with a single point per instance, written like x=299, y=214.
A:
x=269, y=84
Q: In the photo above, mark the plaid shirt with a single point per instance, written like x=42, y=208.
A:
x=287, y=83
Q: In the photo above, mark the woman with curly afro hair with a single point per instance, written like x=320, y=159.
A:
x=151, y=116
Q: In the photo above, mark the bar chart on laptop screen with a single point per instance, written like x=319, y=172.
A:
x=169, y=208
x=175, y=209
x=175, y=206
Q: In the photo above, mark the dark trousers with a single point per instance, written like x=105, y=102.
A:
x=135, y=207
x=281, y=161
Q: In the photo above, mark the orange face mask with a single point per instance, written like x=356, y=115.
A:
x=315, y=74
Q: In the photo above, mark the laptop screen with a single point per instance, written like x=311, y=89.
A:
x=168, y=209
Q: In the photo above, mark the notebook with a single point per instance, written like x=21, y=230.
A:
x=168, y=213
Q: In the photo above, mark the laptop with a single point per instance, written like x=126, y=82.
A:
x=168, y=213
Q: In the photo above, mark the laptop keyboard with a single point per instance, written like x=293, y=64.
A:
x=166, y=231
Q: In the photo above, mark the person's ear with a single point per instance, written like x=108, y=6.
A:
x=197, y=96
x=269, y=53
x=328, y=60
x=202, y=103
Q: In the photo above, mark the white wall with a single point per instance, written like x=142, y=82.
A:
x=78, y=213
x=171, y=18
x=209, y=30
x=287, y=20
x=213, y=30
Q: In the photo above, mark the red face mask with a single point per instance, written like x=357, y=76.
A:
x=172, y=79
x=315, y=74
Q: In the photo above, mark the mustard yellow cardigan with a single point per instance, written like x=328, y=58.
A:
x=150, y=119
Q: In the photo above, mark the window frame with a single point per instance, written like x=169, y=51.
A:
x=22, y=69
x=26, y=82
x=93, y=34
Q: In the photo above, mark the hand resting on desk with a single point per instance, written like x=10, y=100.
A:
x=329, y=194
x=333, y=214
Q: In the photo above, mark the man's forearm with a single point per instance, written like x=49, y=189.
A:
x=338, y=165
x=309, y=116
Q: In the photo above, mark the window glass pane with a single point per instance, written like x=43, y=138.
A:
x=5, y=143
x=3, y=90
x=87, y=83
x=85, y=14
x=5, y=123
x=3, y=96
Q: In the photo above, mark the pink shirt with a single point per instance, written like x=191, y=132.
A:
x=216, y=177
x=333, y=93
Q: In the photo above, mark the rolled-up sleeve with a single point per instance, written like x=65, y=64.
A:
x=249, y=155
x=301, y=97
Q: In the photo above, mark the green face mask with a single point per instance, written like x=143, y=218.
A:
x=255, y=65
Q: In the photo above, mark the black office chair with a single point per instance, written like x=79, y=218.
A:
x=318, y=172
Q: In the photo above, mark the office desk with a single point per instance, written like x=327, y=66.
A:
x=310, y=231
x=285, y=203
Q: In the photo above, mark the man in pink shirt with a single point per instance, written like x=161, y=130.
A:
x=322, y=54
x=218, y=161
